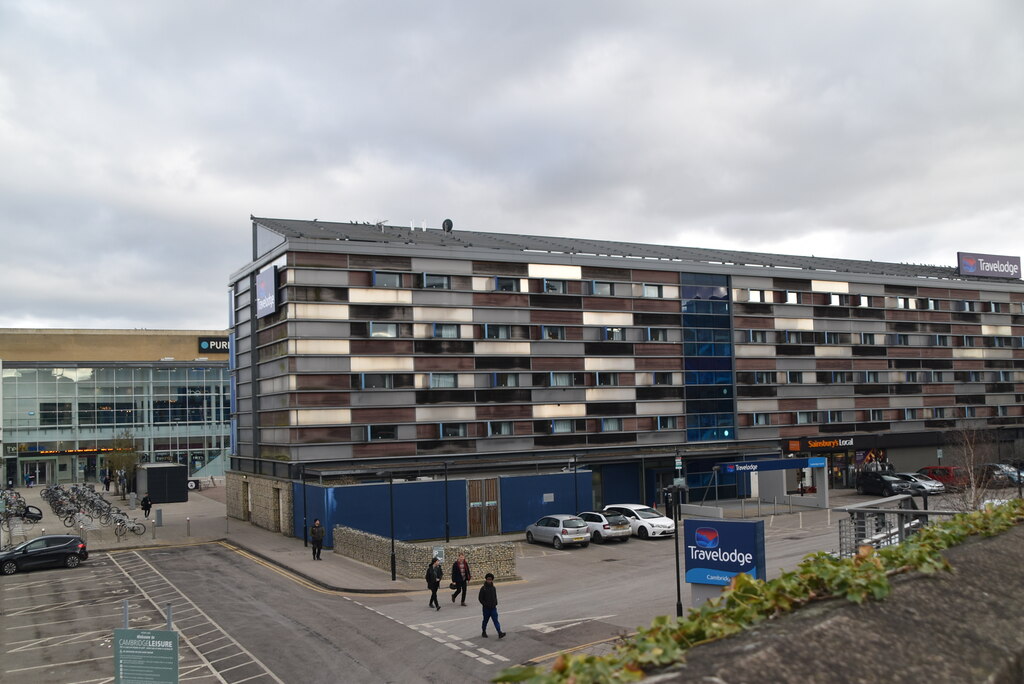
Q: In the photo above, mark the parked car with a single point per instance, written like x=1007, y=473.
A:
x=993, y=475
x=953, y=477
x=881, y=483
x=559, y=530
x=1010, y=471
x=922, y=484
x=645, y=521
x=607, y=525
x=46, y=551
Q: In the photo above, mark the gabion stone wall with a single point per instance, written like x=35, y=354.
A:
x=271, y=501
x=411, y=560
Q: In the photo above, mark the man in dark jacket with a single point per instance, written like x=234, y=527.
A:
x=489, y=600
x=434, y=574
x=316, y=536
x=146, y=504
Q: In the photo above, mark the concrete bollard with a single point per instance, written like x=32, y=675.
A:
x=154, y=528
x=800, y=519
x=82, y=534
x=188, y=527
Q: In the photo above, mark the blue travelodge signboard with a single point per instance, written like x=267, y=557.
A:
x=717, y=550
x=988, y=265
x=774, y=464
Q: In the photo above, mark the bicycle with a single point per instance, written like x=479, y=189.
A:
x=123, y=526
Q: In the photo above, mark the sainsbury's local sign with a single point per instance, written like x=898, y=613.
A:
x=988, y=265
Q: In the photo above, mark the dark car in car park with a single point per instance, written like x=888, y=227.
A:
x=51, y=550
x=881, y=483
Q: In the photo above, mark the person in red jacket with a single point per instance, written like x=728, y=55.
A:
x=460, y=577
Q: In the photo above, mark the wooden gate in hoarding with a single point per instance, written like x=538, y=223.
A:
x=483, y=507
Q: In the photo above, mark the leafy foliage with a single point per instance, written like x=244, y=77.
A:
x=747, y=601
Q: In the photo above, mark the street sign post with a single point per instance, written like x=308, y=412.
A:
x=145, y=655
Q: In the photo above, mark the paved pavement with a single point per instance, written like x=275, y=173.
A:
x=203, y=518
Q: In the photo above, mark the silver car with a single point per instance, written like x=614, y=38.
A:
x=922, y=484
x=645, y=521
x=559, y=530
x=605, y=526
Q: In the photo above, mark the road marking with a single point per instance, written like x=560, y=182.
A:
x=548, y=627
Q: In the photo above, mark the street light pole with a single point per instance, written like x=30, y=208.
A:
x=391, y=503
x=671, y=494
x=447, y=529
x=305, y=522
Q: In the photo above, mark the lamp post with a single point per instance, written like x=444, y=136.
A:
x=671, y=494
x=305, y=523
x=447, y=529
x=391, y=503
x=575, y=486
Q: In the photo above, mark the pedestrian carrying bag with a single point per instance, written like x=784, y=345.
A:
x=453, y=585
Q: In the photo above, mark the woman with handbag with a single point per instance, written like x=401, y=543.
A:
x=460, y=577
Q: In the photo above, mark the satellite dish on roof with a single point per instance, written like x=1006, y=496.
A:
x=447, y=225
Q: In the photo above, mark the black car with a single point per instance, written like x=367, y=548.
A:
x=47, y=551
x=883, y=484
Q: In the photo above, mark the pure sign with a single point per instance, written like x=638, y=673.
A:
x=716, y=550
x=145, y=655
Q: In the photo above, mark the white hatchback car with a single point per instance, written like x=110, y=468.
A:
x=646, y=521
x=607, y=525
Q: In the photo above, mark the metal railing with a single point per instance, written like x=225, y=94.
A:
x=883, y=522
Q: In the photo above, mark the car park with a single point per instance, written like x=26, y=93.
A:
x=49, y=550
x=559, y=530
x=993, y=475
x=953, y=477
x=646, y=522
x=922, y=484
x=605, y=526
x=881, y=483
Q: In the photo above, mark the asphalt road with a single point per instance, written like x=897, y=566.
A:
x=242, y=619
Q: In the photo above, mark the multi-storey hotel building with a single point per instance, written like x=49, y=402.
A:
x=359, y=348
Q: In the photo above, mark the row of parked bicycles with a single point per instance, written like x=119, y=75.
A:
x=83, y=505
x=16, y=511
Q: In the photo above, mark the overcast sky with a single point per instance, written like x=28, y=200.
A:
x=136, y=138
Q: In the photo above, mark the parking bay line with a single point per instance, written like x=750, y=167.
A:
x=188, y=641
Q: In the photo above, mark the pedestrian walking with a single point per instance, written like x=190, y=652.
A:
x=106, y=483
x=316, y=536
x=434, y=574
x=489, y=600
x=460, y=577
x=28, y=480
x=146, y=505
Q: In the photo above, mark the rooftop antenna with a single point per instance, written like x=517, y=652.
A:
x=447, y=225
x=380, y=224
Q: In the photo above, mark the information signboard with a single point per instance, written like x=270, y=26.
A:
x=145, y=656
x=718, y=550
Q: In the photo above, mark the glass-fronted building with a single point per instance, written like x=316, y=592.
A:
x=62, y=417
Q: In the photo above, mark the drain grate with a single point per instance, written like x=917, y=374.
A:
x=611, y=560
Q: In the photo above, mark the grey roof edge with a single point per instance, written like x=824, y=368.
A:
x=299, y=229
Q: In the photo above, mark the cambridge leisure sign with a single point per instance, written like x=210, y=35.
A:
x=987, y=265
x=145, y=655
x=716, y=550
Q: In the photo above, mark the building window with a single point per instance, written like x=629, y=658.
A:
x=764, y=377
x=756, y=296
x=906, y=303
x=835, y=417
x=563, y=425
x=662, y=377
x=506, y=284
x=795, y=377
x=555, y=286
x=499, y=427
x=375, y=432
x=617, y=334
x=667, y=422
x=757, y=336
x=792, y=297
x=876, y=415
x=833, y=338
x=608, y=379
x=806, y=417
x=871, y=376
x=443, y=380
x=497, y=332
x=867, y=338
x=562, y=379
x=383, y=330
x=377, y=381
x=910, y=414
x=1003, y=410
x=382, y=279
x=938, y=412
x=505, y=380
x=657, y=334
x=970, y=411
x=657, y=291
x=446, y=330
x=552, y=332
x=598, y=287
x=899, y=339
x=449, y=430
x=437, y=282
x=761, y=418
x=611, y=425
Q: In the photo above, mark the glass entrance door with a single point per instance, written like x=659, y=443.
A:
x=37, y=472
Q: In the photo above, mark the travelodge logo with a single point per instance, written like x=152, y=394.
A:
x=706, y=537
x=988, y=265
x=968, y=265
